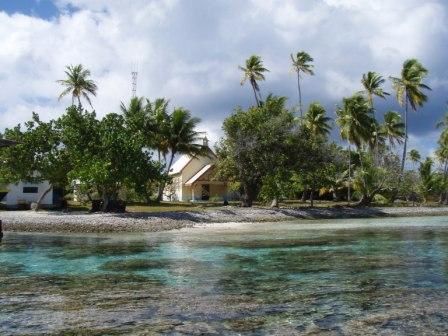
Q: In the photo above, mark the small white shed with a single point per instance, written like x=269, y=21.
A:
x=25, y=193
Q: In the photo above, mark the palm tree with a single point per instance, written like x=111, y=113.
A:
x=78, y=84
x=443, y=123
x=355, y=121
x=393, y=128
x=414, y=156
x=316, y=121
x=409, y=91
x=181, y=137
x=372, y=83
x=253, y=72
x=301, y=63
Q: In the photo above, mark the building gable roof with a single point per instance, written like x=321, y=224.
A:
x=184, y=160
x=199, y=174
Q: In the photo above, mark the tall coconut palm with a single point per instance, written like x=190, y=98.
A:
x=355, y=121
x=301, y=64
x=78, y=84
x=409, y=91
x=372, y=83
x=393, y=128
x=253, y=72
x=316, y=121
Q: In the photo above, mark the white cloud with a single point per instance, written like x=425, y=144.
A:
x=189, y=51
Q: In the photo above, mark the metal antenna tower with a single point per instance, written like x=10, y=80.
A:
x=134, y=83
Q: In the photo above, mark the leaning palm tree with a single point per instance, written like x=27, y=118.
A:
x=253, y=72
x=301, y=64
x=393, y=128
x=355, y=121
x=78, y=84
x=409, y=91
x=316, y=122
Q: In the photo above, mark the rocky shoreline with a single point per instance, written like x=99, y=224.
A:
x=51, y=221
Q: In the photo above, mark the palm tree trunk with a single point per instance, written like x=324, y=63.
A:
x=403, y=160
x=162, y=185
x=300, y=94
x=255, y=93
x=260, y=98
x=349, y=196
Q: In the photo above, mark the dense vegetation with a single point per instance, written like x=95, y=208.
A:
x=268, y=152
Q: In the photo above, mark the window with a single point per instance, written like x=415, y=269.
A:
x=30, y=190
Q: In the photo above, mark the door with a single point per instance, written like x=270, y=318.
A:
x=205, y=193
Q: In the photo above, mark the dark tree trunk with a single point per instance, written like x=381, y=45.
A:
x=312, y=193
x=41, y=198
x=304, y=193
x=248, y=196
x=365, y=200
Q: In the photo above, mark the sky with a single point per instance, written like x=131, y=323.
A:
x=189, y=50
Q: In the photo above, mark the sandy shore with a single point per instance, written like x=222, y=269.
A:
x=30, y=221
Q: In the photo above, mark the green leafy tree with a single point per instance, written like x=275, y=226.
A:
x=301, y=64
x=38, y=156
x=253, y=72
x=105, y=154
x=259, y=144
x=409, y=89
x=78, y=84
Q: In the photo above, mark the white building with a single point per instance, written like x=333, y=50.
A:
x=193, y=180
x=25, y=193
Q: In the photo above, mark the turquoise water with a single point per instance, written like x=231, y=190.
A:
x=335, y=277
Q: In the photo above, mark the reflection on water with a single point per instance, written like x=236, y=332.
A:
x=357, y=277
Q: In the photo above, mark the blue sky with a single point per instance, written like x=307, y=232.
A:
x=189, y=51
x=41, y=8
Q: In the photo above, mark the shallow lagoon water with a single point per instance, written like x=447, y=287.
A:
x=332, y=277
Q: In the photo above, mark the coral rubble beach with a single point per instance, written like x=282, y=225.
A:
x=51, y=221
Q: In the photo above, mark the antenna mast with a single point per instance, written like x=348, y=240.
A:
x=134, y=74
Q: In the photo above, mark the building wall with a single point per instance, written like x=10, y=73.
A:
x=15, y=195
x=217, y=192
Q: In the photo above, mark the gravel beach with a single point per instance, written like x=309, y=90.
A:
x=53, y=221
